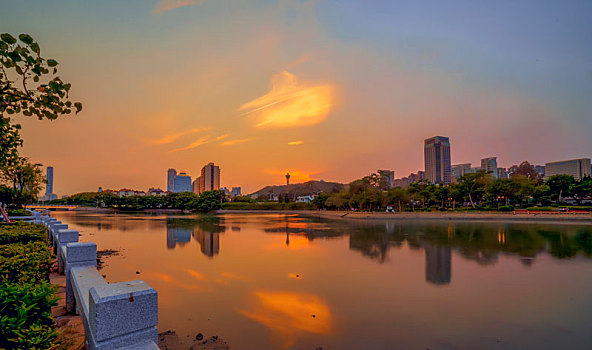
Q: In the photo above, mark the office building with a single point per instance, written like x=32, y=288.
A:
x=49, y=195
x=387, y=177
x=195, y=186
x=578, y=168
x=171, y=173
x=235, y=192
x=490, y=166
x=49, y=176
x=182, y=183
x=459, y=170
x=210, y=178
x=438, y=168
x=502, y=173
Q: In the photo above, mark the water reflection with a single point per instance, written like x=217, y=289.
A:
x=438, y=261
x=206, y=231
x=286, y=314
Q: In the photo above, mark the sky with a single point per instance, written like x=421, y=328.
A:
x=330, y=90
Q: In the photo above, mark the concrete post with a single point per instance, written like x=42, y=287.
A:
x=122, y=314
x=55, y=232
x=77, y=255
x=64, y=237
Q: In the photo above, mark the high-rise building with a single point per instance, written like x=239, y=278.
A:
x=540, y=169
x=460, y=170
x=195, y=186
x=388, y=177
x=490, y=165
x=182, y=183
x=437, y=160
x=578, y=168
x=171, y=173
x=49, y=186
x=236, y=191
x=210, y=178
x=502, y=173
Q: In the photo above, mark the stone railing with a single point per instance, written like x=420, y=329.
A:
x=115, y=316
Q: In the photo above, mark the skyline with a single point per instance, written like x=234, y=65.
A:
x=319, y=86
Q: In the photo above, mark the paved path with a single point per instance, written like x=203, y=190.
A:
x=69, y=325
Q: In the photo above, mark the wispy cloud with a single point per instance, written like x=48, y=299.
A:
x=235, y=142
x=294, y=143
x=172, y=138
x=222, y=137
x=198, y=142
x=291, y=103
x=166, y=5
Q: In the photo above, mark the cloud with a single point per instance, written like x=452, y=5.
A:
x=172, y=138
x=291, y=103
x=198, y=142
x=166, y=5
x=294, y=143
x=221, y=137
x=235, y=142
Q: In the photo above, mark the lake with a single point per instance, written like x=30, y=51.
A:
x=281, y=281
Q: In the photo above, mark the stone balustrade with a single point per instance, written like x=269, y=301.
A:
x=115, y=316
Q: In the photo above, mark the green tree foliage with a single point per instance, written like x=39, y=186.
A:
x=24, y=180
x=474, y=184
x=560, y=186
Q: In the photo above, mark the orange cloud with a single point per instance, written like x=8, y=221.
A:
x=198, y=142
x=294, y=143
x=172, y=138
x=235, y=142
x=166, y=5
x=291, y=103
x=221, y=137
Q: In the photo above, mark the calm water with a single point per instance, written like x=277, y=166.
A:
x=264, y=281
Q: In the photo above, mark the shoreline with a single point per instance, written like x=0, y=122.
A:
x=563, y=218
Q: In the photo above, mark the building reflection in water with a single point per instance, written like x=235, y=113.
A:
x=438, y=261
x=208, y=241
x=177, y=235
x=206, y=231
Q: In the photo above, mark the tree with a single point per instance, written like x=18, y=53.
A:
x=28, y=86
x=581, y=189
x=398, y=195
x=526, y=169
x=422, y=190
x=320, y=199
x=560, y=185
x=473, y=184
x=25, y=180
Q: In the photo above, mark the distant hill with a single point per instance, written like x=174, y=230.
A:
x=301, y=189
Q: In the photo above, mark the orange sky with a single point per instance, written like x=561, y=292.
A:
x=322, y=90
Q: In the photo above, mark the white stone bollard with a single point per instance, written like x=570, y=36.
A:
x=77, y=255
x=64, y=237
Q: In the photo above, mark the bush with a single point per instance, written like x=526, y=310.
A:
x=19, y=212
x=506, y=208
x=22, y=232
x=26, y=295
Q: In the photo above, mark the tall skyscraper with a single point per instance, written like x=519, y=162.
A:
x=578, y=168
x=438, y=168
x=210, y=178
x=171, y=173
x=490, y=165
x=49, y=186
x=182, y=183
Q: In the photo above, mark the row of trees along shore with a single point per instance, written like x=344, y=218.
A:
x=478, y=191
x=475, y=191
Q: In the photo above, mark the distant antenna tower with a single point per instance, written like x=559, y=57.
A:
x=287, y=178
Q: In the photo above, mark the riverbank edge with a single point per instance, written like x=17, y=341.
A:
x=563, y=218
